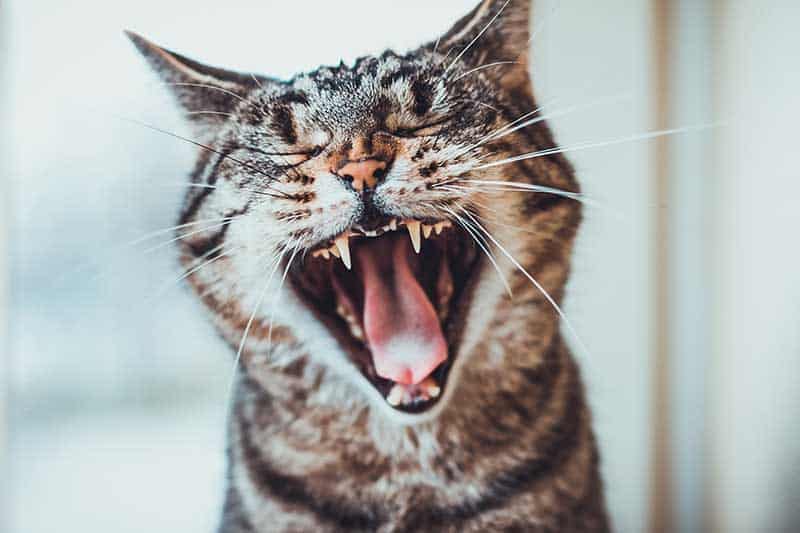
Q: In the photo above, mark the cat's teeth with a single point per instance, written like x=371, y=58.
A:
x=343, y=246
x=396, y=395
x=430, y=388
x=440, y=226
x=372, y=233
x=413, y=227
x=393, y=224
x=334, y=251
x=411, y=394
x=427, y=230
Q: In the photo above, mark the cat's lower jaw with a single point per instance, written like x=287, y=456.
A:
x=516, y=457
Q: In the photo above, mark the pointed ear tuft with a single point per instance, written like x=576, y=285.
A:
x=495, y=31
x=205, y=93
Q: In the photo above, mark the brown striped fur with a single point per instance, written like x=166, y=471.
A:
x=310, y=447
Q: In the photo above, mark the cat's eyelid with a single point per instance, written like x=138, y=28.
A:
x=420, y=131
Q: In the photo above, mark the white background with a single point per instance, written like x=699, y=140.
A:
x=118, y=401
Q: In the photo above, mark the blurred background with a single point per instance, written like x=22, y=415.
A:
x=686, y=284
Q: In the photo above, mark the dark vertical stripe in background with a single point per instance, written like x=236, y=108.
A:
x=661, y=505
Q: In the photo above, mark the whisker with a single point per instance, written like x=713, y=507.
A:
x=221, y=113
x=489, y=255
x=533, y=280
x=204, y=147
x=464, y=51
x=512, y=186
x=206, y=86
x=255, y=79
x=482, y=67
x=156, y=233
x=511, y=128
x=250, y=321
x=192, y=270
x=189, y=234
x=542, y=23
x=587, y=145
x=208, y=186
x=277, y=299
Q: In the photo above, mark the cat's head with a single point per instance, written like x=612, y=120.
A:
x=365, y=191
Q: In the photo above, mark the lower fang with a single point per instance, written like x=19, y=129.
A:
x=396, y=395
x=430, y=388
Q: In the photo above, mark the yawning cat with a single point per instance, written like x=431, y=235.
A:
x=384, y=246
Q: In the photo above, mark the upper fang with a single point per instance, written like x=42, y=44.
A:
x=413, y=227
x=343, y=245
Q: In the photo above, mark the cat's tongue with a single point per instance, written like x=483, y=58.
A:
x=400, y=321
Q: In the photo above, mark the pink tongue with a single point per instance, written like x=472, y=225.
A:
x=401, y=325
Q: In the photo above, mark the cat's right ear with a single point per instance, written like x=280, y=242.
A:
x=206, y=94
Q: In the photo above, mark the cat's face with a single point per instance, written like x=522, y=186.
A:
x=340, y=209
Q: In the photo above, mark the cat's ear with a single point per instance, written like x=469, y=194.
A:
x=206, y=94
x=496, y=31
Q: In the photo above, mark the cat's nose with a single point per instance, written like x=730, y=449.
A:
x=364, y=174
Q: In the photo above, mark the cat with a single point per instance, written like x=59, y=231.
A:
x=356, y=234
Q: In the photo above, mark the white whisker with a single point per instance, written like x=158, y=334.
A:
x=277, y=299
x=206, y=86
x=262, y=294
x=587, y=145
x=157, y=233
x=489, y=254
x=195, y=269
x=189, y=234
x=511, y=128
x=255, y=79
x=466, y=48
x=482, y=67
x=533, y=280
x=221, y=113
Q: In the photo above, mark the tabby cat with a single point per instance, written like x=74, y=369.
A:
x=357, y=234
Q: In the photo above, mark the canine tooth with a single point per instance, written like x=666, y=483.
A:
x=430, y=388
x=427, y=230
x=343, y=244
x=393, y=224
x=413, y=227
x=396, y=395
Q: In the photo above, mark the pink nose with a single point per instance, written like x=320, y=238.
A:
x=363, y=174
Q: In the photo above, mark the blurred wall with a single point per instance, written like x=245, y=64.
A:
x=754, y=415
x=5, y=221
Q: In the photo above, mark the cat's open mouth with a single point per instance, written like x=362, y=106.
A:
x=389, y=295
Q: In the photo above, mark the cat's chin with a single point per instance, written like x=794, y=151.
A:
x=390, y=295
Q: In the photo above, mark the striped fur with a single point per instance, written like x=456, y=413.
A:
x=312, y=446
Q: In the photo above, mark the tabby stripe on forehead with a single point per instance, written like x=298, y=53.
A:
x=423, y=97
x=283, y=122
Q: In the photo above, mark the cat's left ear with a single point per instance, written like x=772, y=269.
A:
x=496, y=31
x=206, y=94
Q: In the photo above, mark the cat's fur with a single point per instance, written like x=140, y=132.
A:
x=312, y=446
